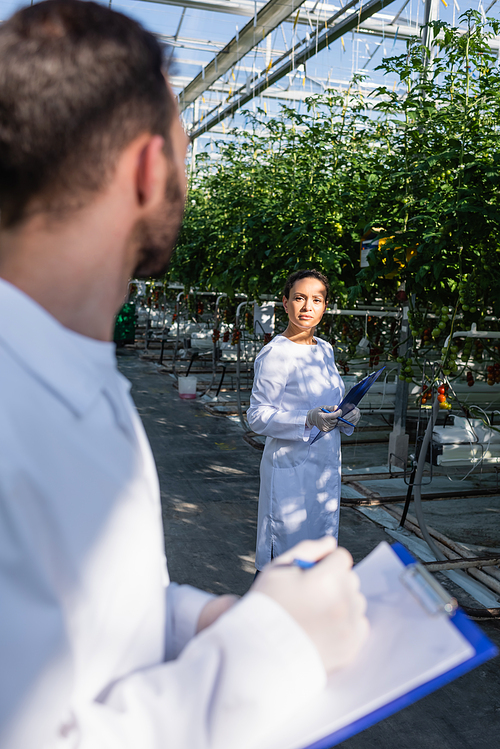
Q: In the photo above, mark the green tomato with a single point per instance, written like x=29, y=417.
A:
x=402, y=377
x=472, y=309
x=441, y=325
x=454, y=349
x=444, y=310
x=436, y=332
x=409, y=379
x=465, y=307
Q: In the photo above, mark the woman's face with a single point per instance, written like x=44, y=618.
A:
x=307, y=303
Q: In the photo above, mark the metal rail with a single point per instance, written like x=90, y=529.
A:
x=451, y=551
x=472, y=333
x=461, y=564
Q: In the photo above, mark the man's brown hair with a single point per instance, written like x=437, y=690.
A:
x=78, y=82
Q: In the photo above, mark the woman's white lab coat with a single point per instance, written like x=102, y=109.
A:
x=299, y=482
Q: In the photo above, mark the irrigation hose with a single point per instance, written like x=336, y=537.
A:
x=417, y=486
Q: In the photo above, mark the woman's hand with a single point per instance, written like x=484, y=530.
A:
x=353, y=416
x=325, y=421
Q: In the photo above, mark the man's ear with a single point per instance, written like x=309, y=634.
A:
x=151, y=173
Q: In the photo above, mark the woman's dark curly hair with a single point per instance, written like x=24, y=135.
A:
x=300, y=274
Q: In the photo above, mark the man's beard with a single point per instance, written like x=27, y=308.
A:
x=156, y=237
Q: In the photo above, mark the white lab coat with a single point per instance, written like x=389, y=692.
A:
x=299, y=482
x=97, y=649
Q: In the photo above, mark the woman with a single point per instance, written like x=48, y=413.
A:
x=295, y=377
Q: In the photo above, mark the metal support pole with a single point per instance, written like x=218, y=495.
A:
x=430, y=14
x=238, y=368
x=177, y=337
x=417, y=489
x=398, y=440
x=409, y=494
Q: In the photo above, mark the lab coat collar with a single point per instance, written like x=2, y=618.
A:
x=75, y=368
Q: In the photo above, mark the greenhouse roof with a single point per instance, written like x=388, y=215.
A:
x=235, y=55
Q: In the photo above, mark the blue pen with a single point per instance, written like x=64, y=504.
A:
x=344, y=421
x=300, y=563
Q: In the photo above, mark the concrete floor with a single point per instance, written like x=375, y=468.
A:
x=209, y=479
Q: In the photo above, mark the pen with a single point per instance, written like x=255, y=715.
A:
x=300, y=563
x=344, y=421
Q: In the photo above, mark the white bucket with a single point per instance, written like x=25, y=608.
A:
x=187, y=387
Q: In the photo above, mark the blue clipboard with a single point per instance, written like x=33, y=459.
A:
x=484, y=651
x=358, y=391
x=353, y=397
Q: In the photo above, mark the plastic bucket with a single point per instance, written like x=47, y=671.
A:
x=187, y=387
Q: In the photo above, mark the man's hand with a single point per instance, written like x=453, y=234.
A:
x=213, y=609
x=325, y=421
x=325, y=600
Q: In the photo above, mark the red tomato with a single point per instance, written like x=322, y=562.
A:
x=441, y=390
x=441, y=397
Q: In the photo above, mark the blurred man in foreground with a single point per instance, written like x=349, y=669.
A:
x=97, y=648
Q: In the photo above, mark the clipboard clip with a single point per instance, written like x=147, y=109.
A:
x=431, y=595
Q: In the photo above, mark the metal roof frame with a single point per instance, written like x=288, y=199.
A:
x=299, y=54
x=267, y=19
x=214, y=78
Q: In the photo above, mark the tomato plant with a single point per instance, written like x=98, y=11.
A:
x=419, y=164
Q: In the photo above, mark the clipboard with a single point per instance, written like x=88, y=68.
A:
x=483, y=648
x=358, y=391
x=310, y=730
x=353, y=397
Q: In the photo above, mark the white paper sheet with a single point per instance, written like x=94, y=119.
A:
x=407, y=647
